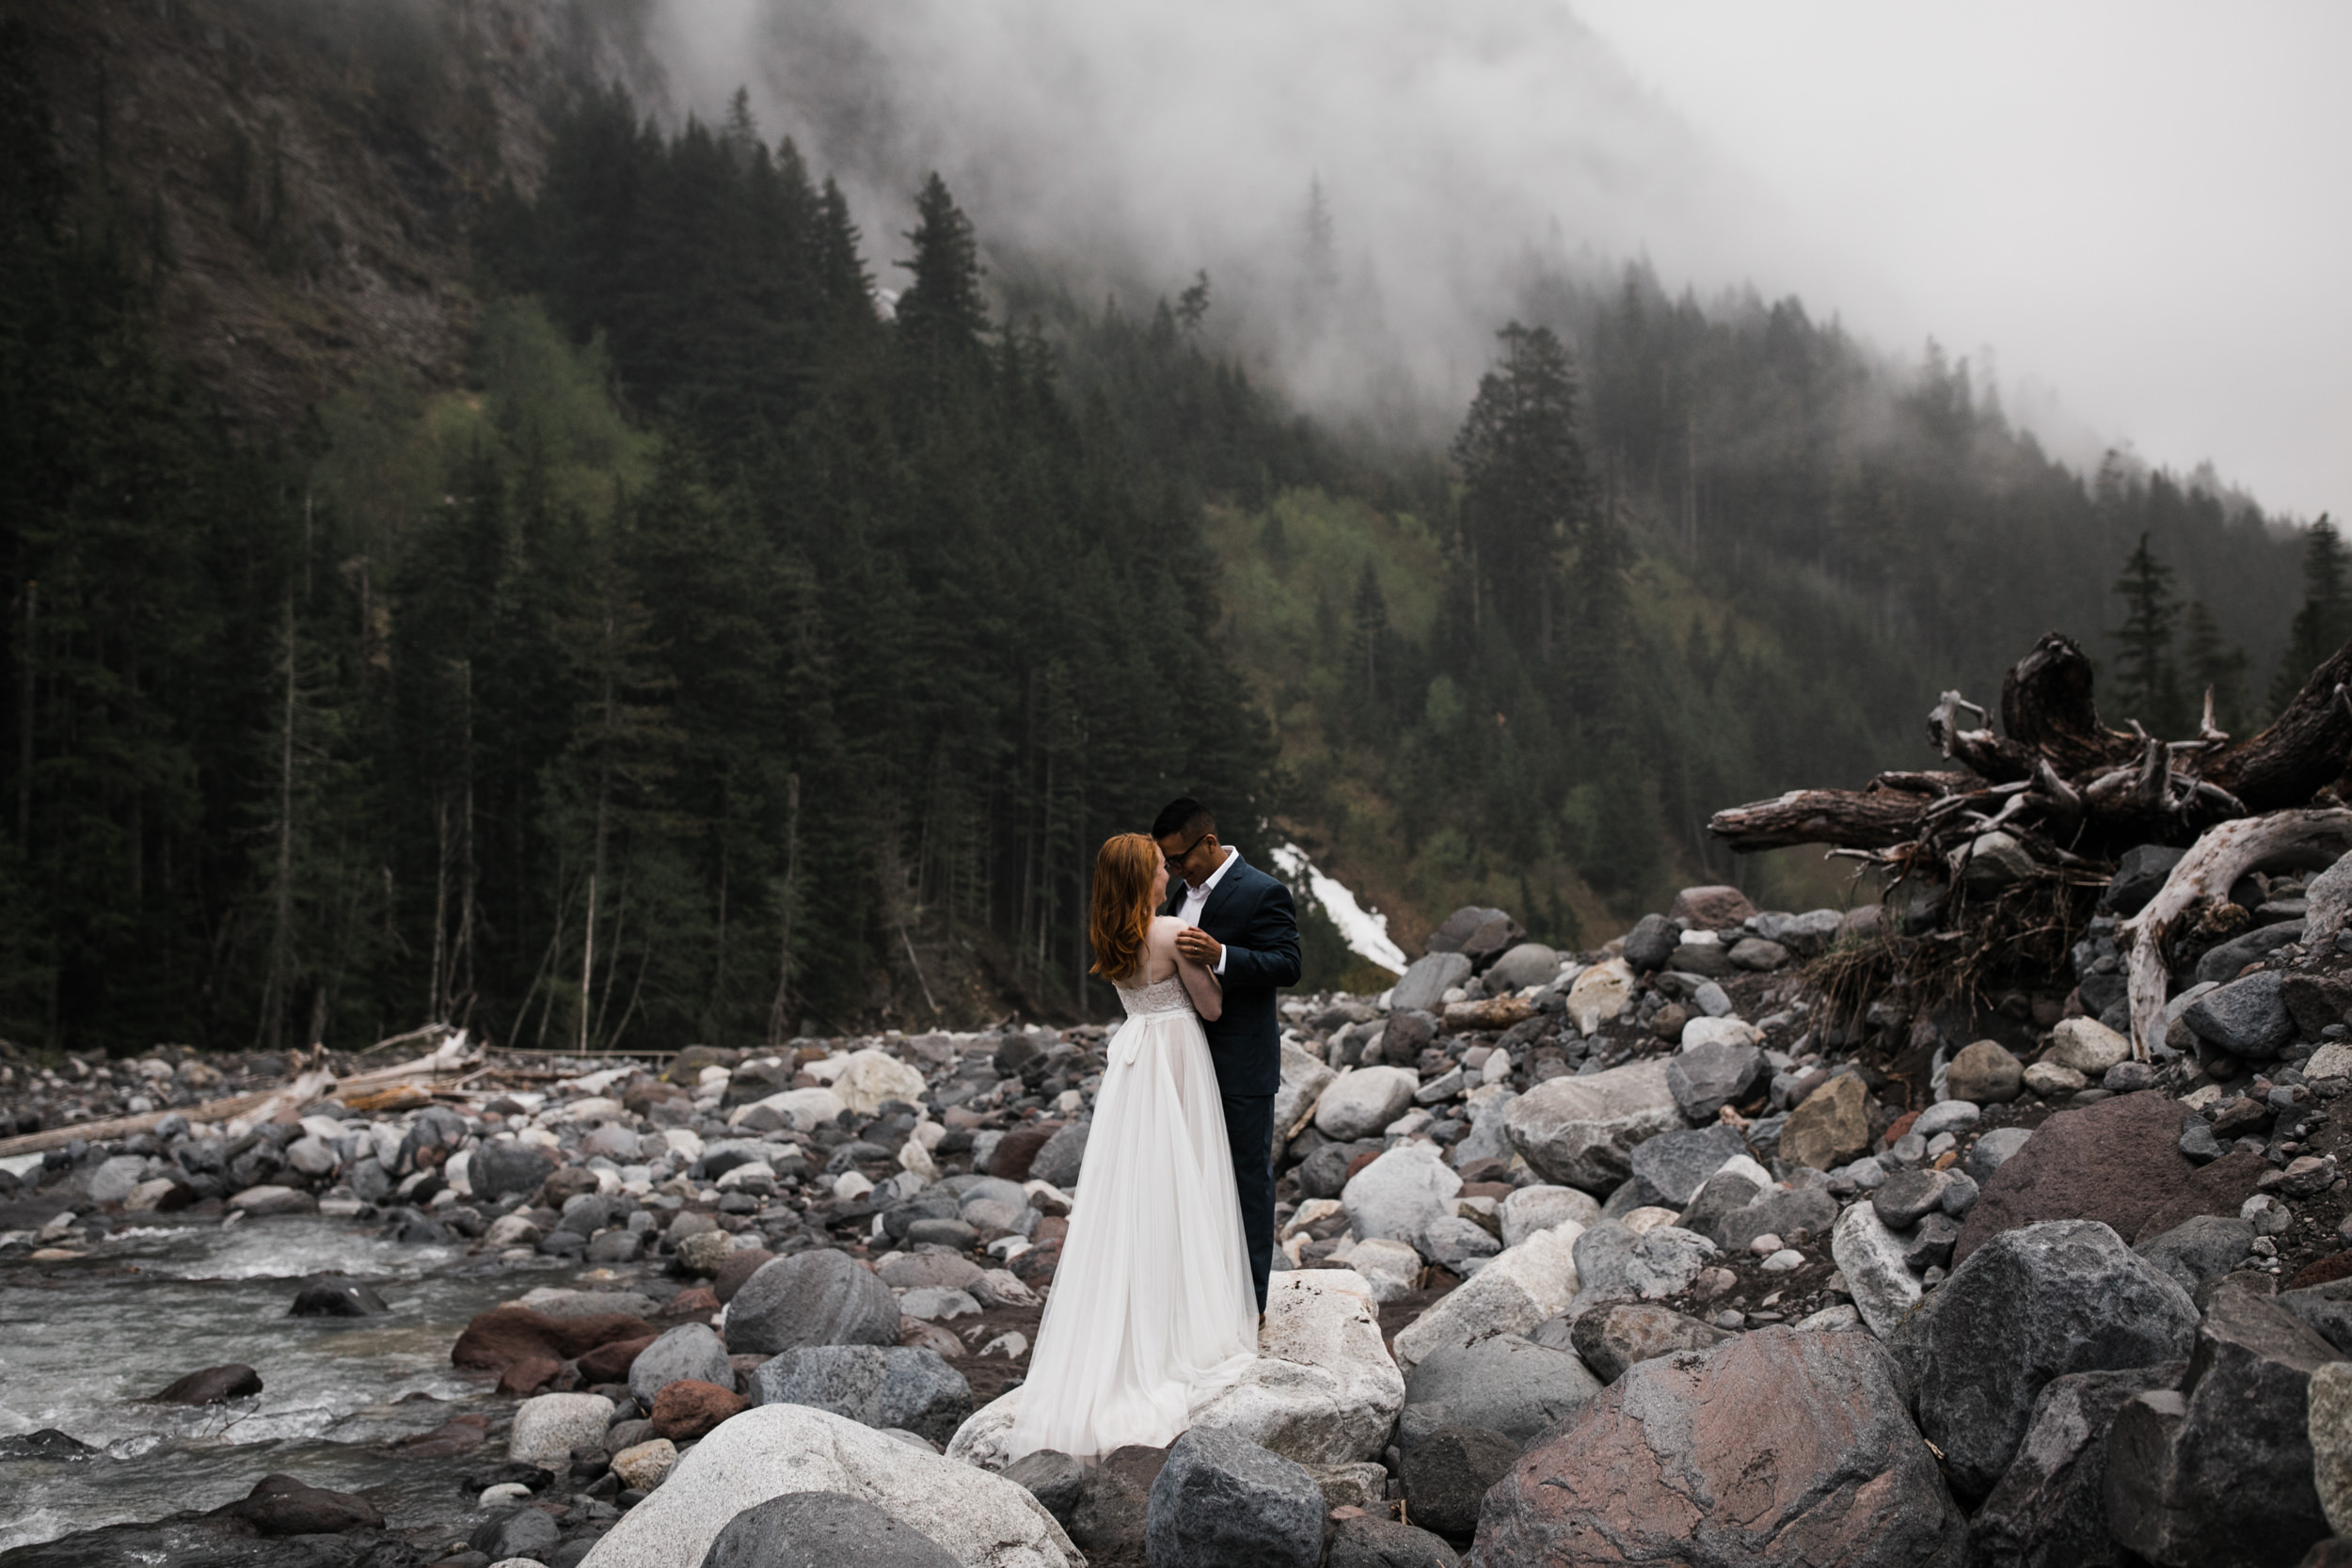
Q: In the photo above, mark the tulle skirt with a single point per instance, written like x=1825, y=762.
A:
x=1151, y=1311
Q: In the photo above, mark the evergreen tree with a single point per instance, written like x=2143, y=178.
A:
x=2148, y=687
x=1523, y=484
x=2323, y=622
x=2213, y=665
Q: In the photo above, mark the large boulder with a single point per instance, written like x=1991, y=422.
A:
x=1366, y=1541
x=976, y=1517
x=822, y=1527
x=2328, y=1424
x=1476, y=932
x=812, y=1298
x=1676, y=1163
x=1505, y=1384
x=1599, y=994
x=2198, y=1249
x=877, y=1385
x=1778, y=1447
x=1058, y=1162
x=1221, y=1501
x=1304, y=1078
x=1651, y=942
x=1517, y=1289
x=209, y=1386
x=1425, y=982
x=499, y=1168
x=2247, y=1018
x=2115, y=1161
x=1831, y=1128
x=1984, y=1074
x=493, y=1341
x=2050, y=1508
x=1582, y=1130
x=2029, y=1306
x=1359, y=1102
x=688, y=1351
x=1398, y=1195
x=1877, y=1273
x=2219, y=1475
x=1711, y=909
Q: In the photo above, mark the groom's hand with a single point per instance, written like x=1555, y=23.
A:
x=1201, y=947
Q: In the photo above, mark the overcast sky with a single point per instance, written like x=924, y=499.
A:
x=2146, y=208
x=2140, y=210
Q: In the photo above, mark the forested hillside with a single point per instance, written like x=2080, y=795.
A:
x=761, y=622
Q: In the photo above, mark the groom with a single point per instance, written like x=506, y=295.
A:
x=1245, y=932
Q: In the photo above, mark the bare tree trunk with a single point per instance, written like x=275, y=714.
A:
x=274, y=992
x=779, y=1010
x=25, y=718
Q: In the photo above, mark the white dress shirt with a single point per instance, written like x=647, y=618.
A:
x=1196, y=898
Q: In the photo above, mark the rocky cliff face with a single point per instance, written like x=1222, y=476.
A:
x=301, y=178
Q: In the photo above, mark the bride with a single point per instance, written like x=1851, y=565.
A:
x=1151, y=1311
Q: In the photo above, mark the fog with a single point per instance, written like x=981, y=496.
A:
x=2127, y=209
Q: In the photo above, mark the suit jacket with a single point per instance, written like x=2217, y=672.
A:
x=1251, y=913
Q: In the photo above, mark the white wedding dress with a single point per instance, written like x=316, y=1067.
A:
x=1152, y=1311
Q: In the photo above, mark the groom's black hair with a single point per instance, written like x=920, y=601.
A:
x=1184, y=815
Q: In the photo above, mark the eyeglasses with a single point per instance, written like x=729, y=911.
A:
x=1176, y=860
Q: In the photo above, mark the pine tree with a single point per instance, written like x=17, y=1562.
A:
x=2213, y=665
x=2323, y=622
x=1523, y=485
x=2148, y=687
x=942, y=317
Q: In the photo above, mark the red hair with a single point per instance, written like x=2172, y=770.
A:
x=1120, y=919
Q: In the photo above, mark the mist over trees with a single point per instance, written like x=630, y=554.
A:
x=738, y=649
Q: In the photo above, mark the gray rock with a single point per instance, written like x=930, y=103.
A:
x=1375, y=1542
x=524, y=1533
x=2325, y=1309
x=1984, y=1074
x=1531, y=964
x=813, y=1298
x=1539, y=1206
x=1399, y=1194
x=333, y=1296
x=808, y=1527
x=2246, y=1018
x=1877, y=1274
x=1703, y=1079
x=1726, y=1194
x=1452, y=1242
x=1503, y=1384
x=1959, y=1194
x=1786, y=1213
x=2197, y=1249
x=112, y=1182
x=1757, y=954
x=499, y=1168
x=2222, y=963
x=2220, y=1472
x=1807, y=934
x=1058, y=1163
x=1582, y=1130
x=1602, y=1255
x=688, y=1351
x=1651, y=942
x=913, y=1389
x=1929, y=1244
x=1994, y=1150
x=1358, y=1104
x=2128, y=1078
x=1221, y=1501
x=1946, y=1116
x=2030, y=1304
x=2138, y=877
x=1908, y=1195
x=1426, y=980
x=1664, y=1261
x=1323, y=1173
x=1053, y=1478
x=2050, y=1508
x=1676, y=1165
x=1448, y=1472
x=1610, y=1340
x=1475, y=931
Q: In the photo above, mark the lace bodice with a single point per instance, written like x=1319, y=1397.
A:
x=1167, y=996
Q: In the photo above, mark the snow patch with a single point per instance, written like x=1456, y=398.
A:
x=1365, y=931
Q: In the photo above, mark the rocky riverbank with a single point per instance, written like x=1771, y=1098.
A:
x=1650, y=1253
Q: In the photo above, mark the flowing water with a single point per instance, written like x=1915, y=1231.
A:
x=83, y=1343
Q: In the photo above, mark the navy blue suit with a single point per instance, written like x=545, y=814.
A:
x=1250, y=914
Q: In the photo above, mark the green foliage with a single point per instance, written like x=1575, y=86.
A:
x=2146, y=685
x=2323, y=621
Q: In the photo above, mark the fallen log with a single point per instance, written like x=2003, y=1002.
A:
x=2283, y=839
x=260, y=1105
x=2071, y=789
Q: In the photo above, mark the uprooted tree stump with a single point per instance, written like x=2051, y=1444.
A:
x=2051, y=802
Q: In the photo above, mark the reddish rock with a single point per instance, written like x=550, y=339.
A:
x=2220, y=1188
x=734, y=1269
x=1035, y=1268
x=281, y=1505
x=611, y=1363
x=1053, y=1228
x=1367, y=1157
x=1900, y=1126
x=1710, y=909
x=1777, y=1446
x=524, y=1378
x=696, y=1304
x=211, y=1386
x=688, y=1408
x=566, y=1183
x=2118, y=1161
x=494, y=1341
x=1015, y=1149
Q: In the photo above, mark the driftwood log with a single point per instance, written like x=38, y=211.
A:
x=2069, y=790
x=2313, y=837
